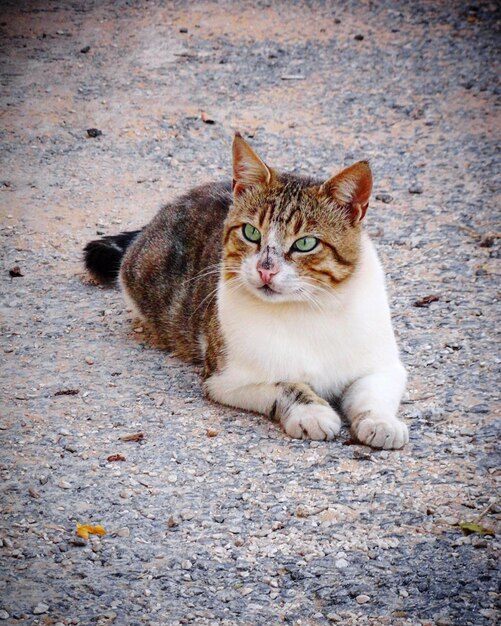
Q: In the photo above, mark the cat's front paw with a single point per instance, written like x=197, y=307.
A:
x=379, y=432
x=312, y=421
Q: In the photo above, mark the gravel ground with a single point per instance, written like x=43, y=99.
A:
x=216, y=517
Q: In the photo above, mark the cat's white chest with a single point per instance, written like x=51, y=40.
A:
x=287, y=344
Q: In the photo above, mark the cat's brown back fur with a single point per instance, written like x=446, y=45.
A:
x=171, y=269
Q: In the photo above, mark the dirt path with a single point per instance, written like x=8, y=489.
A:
x=246, y=526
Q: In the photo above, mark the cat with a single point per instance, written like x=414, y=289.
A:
x=273, y=285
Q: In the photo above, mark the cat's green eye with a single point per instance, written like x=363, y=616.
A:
x=305, y=244
x=251, y=233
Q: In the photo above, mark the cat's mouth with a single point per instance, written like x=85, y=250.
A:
x=266, y=289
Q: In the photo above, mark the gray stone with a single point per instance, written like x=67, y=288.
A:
x=416, y=188
x=40, y=608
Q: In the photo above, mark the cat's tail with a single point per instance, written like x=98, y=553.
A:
x=102, y=257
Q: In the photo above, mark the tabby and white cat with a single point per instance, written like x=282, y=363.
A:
x=273, y=285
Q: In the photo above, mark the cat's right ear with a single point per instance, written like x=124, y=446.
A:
x=249, y=171
x=351, y=189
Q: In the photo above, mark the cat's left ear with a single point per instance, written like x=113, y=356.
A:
x=351, y=189
x=249, y=171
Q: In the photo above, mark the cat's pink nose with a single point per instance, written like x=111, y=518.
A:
x=266, y=274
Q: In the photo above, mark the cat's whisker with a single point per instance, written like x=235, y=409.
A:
x=321, y=287
x=311, y=299
x=211, y=270
x=210, y=297
x=206, y=271
x=212, y=294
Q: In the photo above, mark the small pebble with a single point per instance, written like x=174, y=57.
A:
x=362, y=599
x=384, y=197
x=186, y=564
x=489, y=613
x=77, y=541
x=63, y=484
x=479, y=542
x=341, y=563
x=416, y=188
x=40, y=608
x=89, y=360
x=4, y=614
x=123, y=532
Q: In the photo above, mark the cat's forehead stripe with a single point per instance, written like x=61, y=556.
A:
x=288, y=202
x=265, y=212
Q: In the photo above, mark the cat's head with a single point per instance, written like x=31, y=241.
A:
x=289, y=238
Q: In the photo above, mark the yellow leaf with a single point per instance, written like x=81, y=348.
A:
x=471, y=527
x=84, y=530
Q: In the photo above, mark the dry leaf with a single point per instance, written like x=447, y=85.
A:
x=15, y=272
x=116, y=457
x=135, y=437
x=426, y=301
x=206, y=119
x=84, y=530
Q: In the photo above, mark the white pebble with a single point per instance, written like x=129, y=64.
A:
x=341, y=563
x=40, y=608
x=63, y=484
x=4, y=614
x=362, y=599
